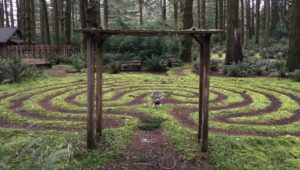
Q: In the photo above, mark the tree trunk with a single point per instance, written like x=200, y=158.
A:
x=141, y=2
x=83, y=22
x=187, y=42
x=267, y=24
x=252, y=19
x=61, y=17
x=293, y=60
x=274, y=16
x=217, y=14
x=28, y=20
x=203, y=16
x=45, y=22
x=42, y=17
x=181, y=9
x=19, y=20
x=164, y=11
x=257, y=21
x=12, y=19
x=242, y=22
x=32, y=20
x=6, y=14
x=1, y=15
x=199, y=13
x=248, y=21
x=68, y=22
x=233, y=51
x=56, y=21
x=221, y=20
x=105, y=4
x=175, y=12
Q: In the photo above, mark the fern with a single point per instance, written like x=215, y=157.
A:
x=55, y=157
x=2, y=164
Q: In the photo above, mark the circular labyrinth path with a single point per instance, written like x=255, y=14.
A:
x=255, y=107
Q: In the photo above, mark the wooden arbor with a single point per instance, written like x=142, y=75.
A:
x=96, y=39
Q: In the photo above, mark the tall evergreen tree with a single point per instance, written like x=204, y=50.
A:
x=68, y=22
x=1, y=14
x=6, y=13
x=257, y=21
x=293, y=60
x=233, y=50
x=187, y=42
x=267, y=24
x=55, y=24
x=12, y=18
x=105, y=10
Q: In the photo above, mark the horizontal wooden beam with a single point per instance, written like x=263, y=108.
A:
x=149, y=32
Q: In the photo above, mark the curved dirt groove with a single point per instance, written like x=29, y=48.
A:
x=180, y=112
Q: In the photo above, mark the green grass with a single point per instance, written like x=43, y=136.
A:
x=23, y=148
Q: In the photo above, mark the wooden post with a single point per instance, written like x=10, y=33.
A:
x=203, y=40
x=200, y=90
x=205, y=59
x=90, y=92
x=99, y=84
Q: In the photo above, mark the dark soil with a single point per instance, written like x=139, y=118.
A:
x=151, y=151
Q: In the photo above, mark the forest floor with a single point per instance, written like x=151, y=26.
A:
x=254, y=123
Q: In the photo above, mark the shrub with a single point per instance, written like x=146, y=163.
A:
x=280, y=68
x=151, y=123
x=196, y=66
x=250, y=66
x=296, y=75
x=55, y=58
x=174, y=62
x=114, y=67
x=214, y=65
x=13, y=70
x=155, y=64
x=78, y=62
x=236, y=70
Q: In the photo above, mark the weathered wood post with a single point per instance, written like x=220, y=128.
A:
x=205, y=59
x=203, y=40
x=90, y=92
x=99, y=83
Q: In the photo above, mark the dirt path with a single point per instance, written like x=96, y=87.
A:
x=151, y=151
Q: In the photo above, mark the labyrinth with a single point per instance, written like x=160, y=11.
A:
x=238, y=106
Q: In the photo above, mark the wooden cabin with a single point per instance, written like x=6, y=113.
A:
x=9, y=36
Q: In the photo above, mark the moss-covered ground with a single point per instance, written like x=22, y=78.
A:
x=254, y=122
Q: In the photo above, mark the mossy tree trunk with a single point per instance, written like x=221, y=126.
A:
x=187, y=42
x=68, y=22
x=257, y=21
x=1, y=15
x=55, y=21
x=293, y=60
x=233, y=50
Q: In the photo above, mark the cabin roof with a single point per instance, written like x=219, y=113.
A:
x=6, y=34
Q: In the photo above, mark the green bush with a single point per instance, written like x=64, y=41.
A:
x=78, y=62
x=174, y=62
x=280, y=68
x=151, y=123
x=13, y=70
x=114, y=67
x=250, y=66
x=215, y=65
x=296, y=75
x=56, y=58
x=155, y=64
